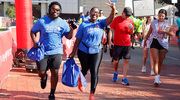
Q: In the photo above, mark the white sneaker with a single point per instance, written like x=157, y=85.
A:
x=143, y=69
x=157, y=81
x=152, y=73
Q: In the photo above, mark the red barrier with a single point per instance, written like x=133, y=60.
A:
x=5, y=54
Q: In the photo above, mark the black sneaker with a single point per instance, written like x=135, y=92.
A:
x=51, y=97
x=44, y=82
x=132, y=47
x=105, y=50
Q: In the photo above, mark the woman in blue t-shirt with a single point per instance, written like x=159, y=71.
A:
x=88, y=42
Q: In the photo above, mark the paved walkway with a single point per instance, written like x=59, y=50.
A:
x=20, y=85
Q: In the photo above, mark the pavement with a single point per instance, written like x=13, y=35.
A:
x=21, y=85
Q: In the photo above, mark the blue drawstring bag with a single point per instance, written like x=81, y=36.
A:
x=70, y=73
x=36, y=54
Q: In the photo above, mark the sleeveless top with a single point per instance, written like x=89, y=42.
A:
x=162, y=38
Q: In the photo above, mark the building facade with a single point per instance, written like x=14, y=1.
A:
x=72, y=8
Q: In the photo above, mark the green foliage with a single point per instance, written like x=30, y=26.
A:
x=11, y=12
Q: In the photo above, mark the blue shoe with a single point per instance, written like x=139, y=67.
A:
x=115, y=77
x=125, y=82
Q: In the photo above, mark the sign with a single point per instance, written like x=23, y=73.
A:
x=142, y=8
x=174, y=1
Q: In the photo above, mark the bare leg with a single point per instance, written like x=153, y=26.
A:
x=145, y=52
x=54, y=78
x=42, y=74
x=155, y=57
x=151, y=61
x=162, y=54
x=115, y=64
x=125, y=67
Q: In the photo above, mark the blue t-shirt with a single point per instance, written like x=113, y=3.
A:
x=51, y=33
x=90, y=34
x=178, y=24
x=85, y=18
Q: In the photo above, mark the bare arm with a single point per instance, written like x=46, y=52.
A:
x=147, y=36
x=143, y=30
x=168, y=32
x=112, y=14
x=71, y=33
x=131, y=28
x=33, y=37
x=71, y=55
x=111, y=31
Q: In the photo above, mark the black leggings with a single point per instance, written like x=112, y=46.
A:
x=92, y=62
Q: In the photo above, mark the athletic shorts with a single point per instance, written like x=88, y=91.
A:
x=155, y=44
x=122, y=51
x=49, y=62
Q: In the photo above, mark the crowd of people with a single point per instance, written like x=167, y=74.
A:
x=120, y=32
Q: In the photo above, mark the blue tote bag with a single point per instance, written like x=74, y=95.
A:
x=70, y=73
x=36, y=54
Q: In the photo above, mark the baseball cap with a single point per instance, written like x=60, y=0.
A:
x=127, y=11
x=88, y=11
x=101, y=11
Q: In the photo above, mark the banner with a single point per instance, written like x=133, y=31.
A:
x=5, y=54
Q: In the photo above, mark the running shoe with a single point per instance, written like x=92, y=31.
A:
x=115, y=77
x=91, y=97
x=157, y=81
x=152, y=73
x=125, y=81
x=44, y=82
x=51, y=97
x=80, y=86
x=143, y=69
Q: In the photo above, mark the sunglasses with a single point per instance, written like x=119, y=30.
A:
x=93, y=12
x=53, y=9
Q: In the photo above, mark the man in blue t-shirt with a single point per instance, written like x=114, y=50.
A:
x=51, y=28
x=178, y=36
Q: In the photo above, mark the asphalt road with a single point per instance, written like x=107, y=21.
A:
x=172, y=56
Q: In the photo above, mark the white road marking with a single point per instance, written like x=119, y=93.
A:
x=172, y=58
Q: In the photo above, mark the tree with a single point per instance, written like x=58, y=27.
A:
x=11, y=12
x=169, y=2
